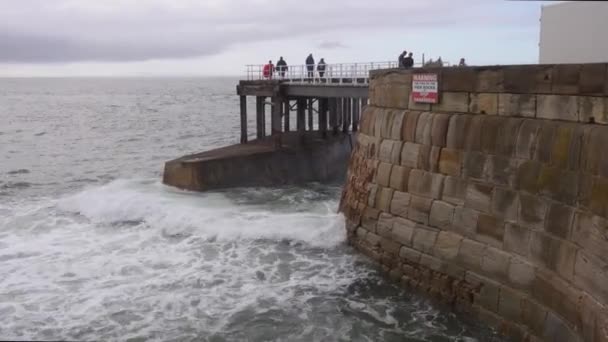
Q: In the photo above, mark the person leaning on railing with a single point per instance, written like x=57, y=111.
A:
x=282, y=67
x=321, y=68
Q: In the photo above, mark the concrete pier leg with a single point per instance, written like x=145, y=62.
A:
x=347, y=115
x=301, y=115
x=310, y=112
x=275, y=119
x=286, y=113
x=323, y=107
x=243, y=119
x=356, y=110
x=339, y=114
x=260, y=116
x=333, y=114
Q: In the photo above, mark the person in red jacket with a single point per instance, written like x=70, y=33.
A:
x=268, y=70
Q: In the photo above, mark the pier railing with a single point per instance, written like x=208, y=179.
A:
x=328, y=73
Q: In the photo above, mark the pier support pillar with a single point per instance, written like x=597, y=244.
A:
x=333, y=115
x=323, y=104
x=287, y=113
x=346, y=116
x=310, y=111
x=275, y=119
x=301, y=114
x=260, y=116
x=356, y=112
x=243, y=119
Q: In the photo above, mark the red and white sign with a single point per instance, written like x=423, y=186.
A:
x=425, y=88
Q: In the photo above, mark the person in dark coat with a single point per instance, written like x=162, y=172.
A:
x=282, y=67
x=321, y=68
x=401, y=58
x=408, y=61
x=310, y=66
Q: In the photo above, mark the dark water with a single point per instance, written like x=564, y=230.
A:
x=93, y=247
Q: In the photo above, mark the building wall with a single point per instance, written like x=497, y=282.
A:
x=494, y=200
x=574, y=32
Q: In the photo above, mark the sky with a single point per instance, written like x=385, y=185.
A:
x=56, y=38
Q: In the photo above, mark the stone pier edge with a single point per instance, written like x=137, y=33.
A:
x=494, y=200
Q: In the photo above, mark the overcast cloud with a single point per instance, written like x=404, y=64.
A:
x=57, y=31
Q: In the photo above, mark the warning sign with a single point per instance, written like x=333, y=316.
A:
x=425, y=88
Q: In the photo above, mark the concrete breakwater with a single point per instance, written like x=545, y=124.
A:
x=495, y=199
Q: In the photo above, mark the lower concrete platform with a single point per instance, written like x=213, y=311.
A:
x=290, y=158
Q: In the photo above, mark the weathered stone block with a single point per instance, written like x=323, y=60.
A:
x=396, y=95
x=457, y=79
x=484, y=103
x=559, y=220
x=489, y=79
x=447, y=245
x=560, y=154
x=479, y=197
x=428, y=159
x=439, y=129
x=396, y=152
x=384, y=198
x=459, y=124
x=384, y=174
x=592, y=109
x=506, y=142
x=424, y=128
x=410, y=255
x=403, y=231
x=410, y=122
x=465, y=221
x=557, y=330
x=500, y=170
x=599, y=197
x=385, y=225
x=426, y=184
x=361, y=232
x=553, y=253
x=442, y=214
x=558, y=295
x=490, y=130
x=372, y=239
x=399, y=177
x=527, y=139
x=424, y=239
x=534, y=315
x=472, y=139
x=527, y=79
x=369, y=219
x=505, y=204
x=516, y=239
x=488, y=293
x=471, y=254
x=373, y=193
x=390, y=246
x=591, y=233
x=546, y=138
x=454, y=190
x=566, y=78
x=452, y=102
x=449, y=162
x=410, y=154
x=532, y=211
x=517, y=105
x=490, y=230
x=527, y=175
x=474, y=165
x=510, y=304
x=557, y=107
x=420, y=208
x=386, y=150
x=430, y=262
x=592, y=276
x=521, y=273
x=495, y=263
x=400, y=203
x=592, y=79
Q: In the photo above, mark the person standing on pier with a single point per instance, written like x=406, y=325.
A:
x=282, y=67
x=408, y=61
x=268, y=70
x=321, y=68
x=310, y=66
x=400, y=59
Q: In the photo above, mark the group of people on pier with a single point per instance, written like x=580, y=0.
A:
x=406, y=61
x=269, y=69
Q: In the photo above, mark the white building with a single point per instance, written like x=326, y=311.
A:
x=574, y=32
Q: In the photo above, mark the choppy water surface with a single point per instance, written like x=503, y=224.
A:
x=93, y=247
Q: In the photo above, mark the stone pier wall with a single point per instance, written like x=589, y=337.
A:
x=496, y=199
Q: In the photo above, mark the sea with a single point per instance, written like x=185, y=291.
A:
x=93, y=247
